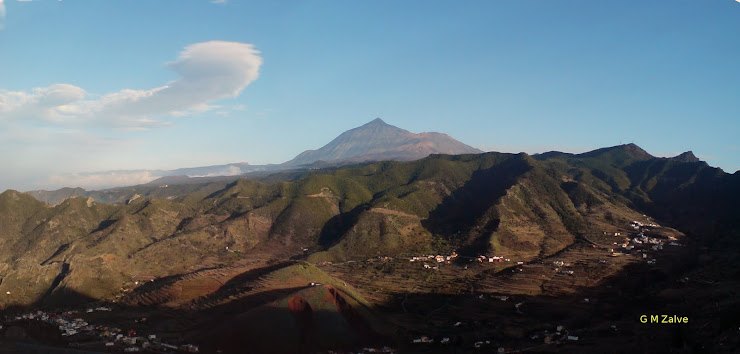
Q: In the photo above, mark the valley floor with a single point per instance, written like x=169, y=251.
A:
x=586, y=298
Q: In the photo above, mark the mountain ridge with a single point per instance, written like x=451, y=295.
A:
x=373, y=141
x=359, y=226
x=476, y=201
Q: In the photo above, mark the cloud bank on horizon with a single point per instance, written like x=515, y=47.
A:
x=208, y=72
x=111, y=179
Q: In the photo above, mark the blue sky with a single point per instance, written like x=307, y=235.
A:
x=160, y=84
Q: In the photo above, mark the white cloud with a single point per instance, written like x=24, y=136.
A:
x=226, y=171
x=68, y=128
x=54, y=103
x=102, y=180
x=208, y=72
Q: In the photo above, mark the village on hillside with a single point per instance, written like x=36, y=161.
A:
x=86, y=335
x=635, y=245
x=631, y=243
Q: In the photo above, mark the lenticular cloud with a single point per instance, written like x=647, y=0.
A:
x=207, y=72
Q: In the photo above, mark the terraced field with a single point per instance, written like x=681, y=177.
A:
x=589, y=266
x=180, y=290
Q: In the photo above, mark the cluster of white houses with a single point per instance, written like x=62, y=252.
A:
x=492, y=259
x=640, y=242
x=559, y=265
x=448, y=259
x=432, y=258
x=114, y=338
x=446, y=341
x=438, y=258
x=638, y=225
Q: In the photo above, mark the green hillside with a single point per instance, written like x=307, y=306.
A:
x=513, y=205
x=216, y=246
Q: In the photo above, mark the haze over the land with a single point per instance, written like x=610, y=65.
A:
x=90, y=86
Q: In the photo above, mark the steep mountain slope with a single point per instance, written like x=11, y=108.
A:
x=230, y=248
x=379, y=208
x=512, y=205
x=377, y=141
x=681, y=190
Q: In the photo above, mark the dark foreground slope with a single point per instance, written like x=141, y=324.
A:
x=202, y=263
